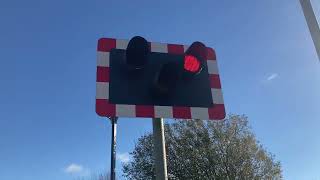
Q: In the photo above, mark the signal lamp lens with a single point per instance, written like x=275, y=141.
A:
x=191, y=64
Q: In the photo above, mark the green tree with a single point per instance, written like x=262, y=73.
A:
x=206, y=150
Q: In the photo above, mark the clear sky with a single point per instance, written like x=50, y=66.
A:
x=48, y=126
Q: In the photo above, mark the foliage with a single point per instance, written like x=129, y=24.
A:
x=206, y=150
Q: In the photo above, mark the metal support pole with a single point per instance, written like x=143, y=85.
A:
x=312, y=24
x=113, y=147
x=159, y=149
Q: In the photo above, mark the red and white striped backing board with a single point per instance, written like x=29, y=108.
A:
x=106, y=109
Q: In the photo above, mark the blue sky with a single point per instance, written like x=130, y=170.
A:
x=48, y=126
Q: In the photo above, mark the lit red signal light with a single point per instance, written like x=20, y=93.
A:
x=191, y=64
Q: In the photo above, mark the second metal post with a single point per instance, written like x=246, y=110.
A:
x=113, y=147
x=159, y=149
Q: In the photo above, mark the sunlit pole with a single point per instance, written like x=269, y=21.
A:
x=113, y=147
x=312, y=23
x=159, y=149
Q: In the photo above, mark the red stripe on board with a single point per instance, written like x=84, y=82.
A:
x=175, y=49
x=144, y=111
x=217, y=112
x=103, y=74
x=214, y=81
x=106, y=44
x=103, y=108
x=211, y=54
x=181, y=112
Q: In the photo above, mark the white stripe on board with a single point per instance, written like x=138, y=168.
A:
x=217, y=96
x=212, y=67
x=121, y=44
x=123, y=110
x=102, y=91
x=163, y=111
x=159, y=47
x=199, y=113
x=185, y=48
x=103, y=59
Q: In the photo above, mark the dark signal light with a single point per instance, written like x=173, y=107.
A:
x=166, y=79
x=137, y=53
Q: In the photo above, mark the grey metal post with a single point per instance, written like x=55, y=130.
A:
x=159, y=149
x=113, y=147
x=312, y=23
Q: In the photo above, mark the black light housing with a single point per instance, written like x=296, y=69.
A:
x=194, y=59
x=137, y=52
